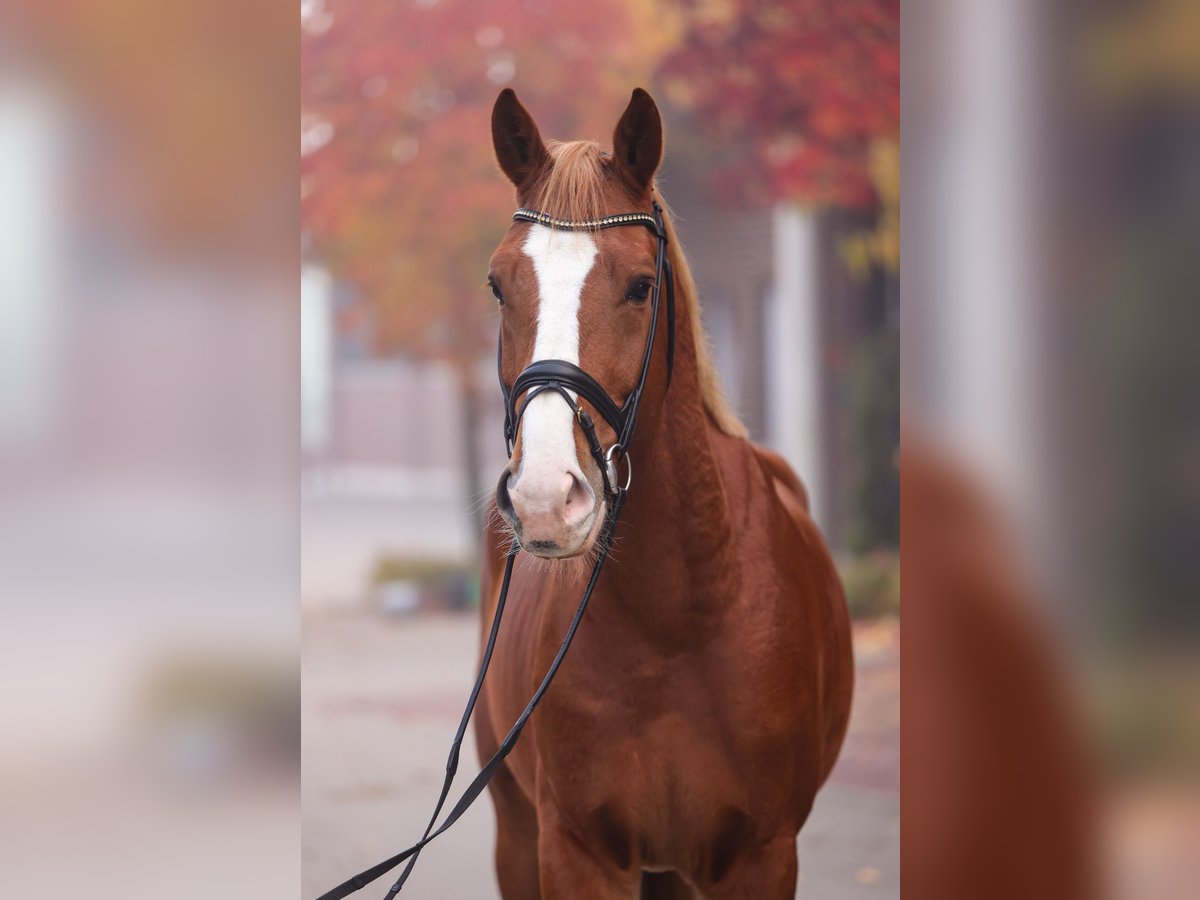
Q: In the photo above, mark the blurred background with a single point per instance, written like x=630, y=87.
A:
x=1051, y=515
x=149, y=700
x=150, y=371
x=782, y=169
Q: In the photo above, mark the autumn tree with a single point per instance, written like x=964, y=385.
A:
x=804, y=89
x=400, y=196
x=799, y=101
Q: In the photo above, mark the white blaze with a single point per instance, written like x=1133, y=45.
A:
x=561, y=261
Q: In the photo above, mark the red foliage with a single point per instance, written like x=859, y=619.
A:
x=400, y=196
x=798, y=89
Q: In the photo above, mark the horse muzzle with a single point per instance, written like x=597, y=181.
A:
x=552, y=515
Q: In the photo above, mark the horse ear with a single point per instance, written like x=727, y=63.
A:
x=638, y=140
x=519, y=147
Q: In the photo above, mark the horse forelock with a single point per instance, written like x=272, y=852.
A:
x=575, y=185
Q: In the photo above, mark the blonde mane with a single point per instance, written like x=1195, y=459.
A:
x=573, y=188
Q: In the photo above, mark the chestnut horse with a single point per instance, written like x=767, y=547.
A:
x=706, y=696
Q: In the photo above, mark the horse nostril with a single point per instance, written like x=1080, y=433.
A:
x=576, y=493
x=578, y=503
x=503, y=501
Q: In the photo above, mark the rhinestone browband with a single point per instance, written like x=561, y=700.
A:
x=540, y=218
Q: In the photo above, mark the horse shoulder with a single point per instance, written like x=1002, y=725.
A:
x=825, y=609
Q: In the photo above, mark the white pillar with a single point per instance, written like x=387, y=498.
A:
x=793, y=351
x=316, y=357
x=987, y=368
x=31, y=255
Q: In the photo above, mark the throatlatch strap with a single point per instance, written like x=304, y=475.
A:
x=361, y=880
x=669, y=274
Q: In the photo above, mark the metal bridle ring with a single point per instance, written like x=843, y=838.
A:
x=612, y=467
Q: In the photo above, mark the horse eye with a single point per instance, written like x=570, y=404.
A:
x=639, y=292
x=496, y=292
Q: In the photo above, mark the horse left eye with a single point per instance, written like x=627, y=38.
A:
x=639, y=292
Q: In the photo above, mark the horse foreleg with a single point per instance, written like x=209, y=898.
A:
x=572, y=871
x=516, y=839
x=516, y=822
x=764, y=872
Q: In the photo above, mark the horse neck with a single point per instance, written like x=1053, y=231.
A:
x=674, y=533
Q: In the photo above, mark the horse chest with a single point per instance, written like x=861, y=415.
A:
x=669, y=752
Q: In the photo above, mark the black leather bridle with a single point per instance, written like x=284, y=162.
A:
x=562, y=377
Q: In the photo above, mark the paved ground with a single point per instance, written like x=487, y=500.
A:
x=382, y=698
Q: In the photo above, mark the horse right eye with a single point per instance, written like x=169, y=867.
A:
x=639, y=292
x=496, y=292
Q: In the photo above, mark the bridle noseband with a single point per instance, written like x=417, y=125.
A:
x=562, y=377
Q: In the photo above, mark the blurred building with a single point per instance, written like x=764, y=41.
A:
x=383, y=460
x=804, y=347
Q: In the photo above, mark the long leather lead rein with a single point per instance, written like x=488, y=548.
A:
x=560, y=377
x=361, y=880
